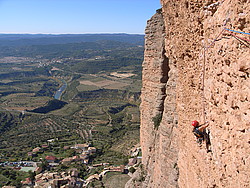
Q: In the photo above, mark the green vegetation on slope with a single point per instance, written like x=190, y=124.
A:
x=100, y=105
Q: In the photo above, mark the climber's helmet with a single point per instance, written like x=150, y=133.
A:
x=195, y=123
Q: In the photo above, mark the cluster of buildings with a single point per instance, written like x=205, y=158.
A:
x=59, y=179
x=70, y=178
x=84, y=151
x=94, y=177
x=37, y=150
x=62, y=179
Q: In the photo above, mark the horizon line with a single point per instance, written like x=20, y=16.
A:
x=70, y=33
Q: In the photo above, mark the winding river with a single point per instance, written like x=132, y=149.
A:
x=59, y=92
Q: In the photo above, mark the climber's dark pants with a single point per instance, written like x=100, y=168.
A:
x=207, y=140
x=204, y=137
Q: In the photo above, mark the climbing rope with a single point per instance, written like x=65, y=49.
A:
x=204, y=72
x=203, y=86
x=244, y=39
x=204, y=63
x=215, y=39
x=237, y=31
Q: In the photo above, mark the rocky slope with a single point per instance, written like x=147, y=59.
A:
x=194, y=69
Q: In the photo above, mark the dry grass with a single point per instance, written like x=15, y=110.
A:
x=115, y=180
x=107, y=84
x=121, y=75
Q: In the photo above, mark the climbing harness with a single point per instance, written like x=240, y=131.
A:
x=198, y=133
x=201, y=135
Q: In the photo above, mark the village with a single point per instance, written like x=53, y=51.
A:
x=52, y=171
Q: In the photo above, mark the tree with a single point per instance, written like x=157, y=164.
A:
x=131, y=170
x=32, y=175
x=44, y=164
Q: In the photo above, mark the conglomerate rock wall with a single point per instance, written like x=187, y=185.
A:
x=194, y=69
x=158, y=104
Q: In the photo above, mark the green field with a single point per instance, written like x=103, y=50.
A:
x=102, y=95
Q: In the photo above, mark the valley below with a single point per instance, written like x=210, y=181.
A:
x=69, y=108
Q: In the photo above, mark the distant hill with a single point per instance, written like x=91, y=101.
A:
x=76, y=50
x=47, y=39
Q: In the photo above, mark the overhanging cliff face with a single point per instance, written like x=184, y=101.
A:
x=175, y=42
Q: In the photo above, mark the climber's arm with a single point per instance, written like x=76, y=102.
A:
x=203, y=126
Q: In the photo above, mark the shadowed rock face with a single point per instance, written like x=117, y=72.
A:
x=158, y=101
x=173, y=71
x=159, y=142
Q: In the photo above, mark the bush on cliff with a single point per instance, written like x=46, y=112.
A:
x=157, y=120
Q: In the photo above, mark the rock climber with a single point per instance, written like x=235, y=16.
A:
x=200, y=131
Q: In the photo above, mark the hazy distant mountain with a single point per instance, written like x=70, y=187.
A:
x=46, y=39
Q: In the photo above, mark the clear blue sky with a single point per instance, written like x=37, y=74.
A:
x=75, y=16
